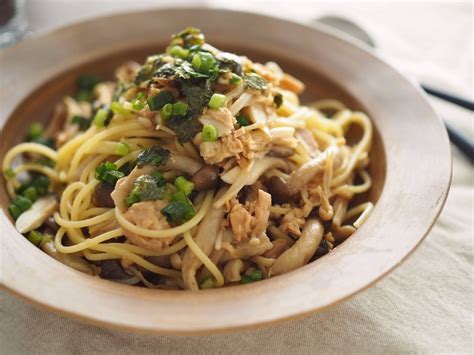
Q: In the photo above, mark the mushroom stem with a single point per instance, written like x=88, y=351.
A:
x=39, y=212
x=302, y=251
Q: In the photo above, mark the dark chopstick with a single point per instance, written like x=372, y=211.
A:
x=455, y=99
x=461, y=141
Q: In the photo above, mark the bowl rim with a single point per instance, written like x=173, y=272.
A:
x=20, y=287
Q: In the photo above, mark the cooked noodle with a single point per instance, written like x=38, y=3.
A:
x=276, y=162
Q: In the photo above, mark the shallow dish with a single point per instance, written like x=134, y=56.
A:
x=411, y=168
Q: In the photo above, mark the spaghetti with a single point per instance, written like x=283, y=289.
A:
x=198, y=169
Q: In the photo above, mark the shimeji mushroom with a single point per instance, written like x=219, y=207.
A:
x=300, y=253
x=232, y=270
x=308, y=170
x=37, y=214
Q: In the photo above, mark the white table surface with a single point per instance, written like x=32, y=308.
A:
x=426, y=305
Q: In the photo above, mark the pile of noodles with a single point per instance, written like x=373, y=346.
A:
x=323, y=171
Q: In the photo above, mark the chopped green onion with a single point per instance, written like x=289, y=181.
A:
x=217, y=101
x=22, y=203
x=178, y=212
x=206, y=284
x=122, y=149
x=196, y=61
x=157, y=102
x=41, y=184
x=112, y=176
x=170, y=190
x=242, y=120
x=84, y=95
x=256, y=275
x=45, y=162
x=203, y=62
x=134, y=197
x=160, y=180
x=9, y=173
x=46, y=239
x=14, y=211
x=102, y=117
x=83, y=122
x=180, y=209
x=49, y=142
x=87, y=82
x=235, y=79
x=166, y=111
x=35, y=131
x=179, y=109
x=19, y=205
x=246, y=279
x=180, y=196
x=103, y=168
x=178, y=51
x=35, y=237
x=138, y=104
x=209, y=133
x=207, y=61
x=184, y=185
x=118, y=108
x=31, y=194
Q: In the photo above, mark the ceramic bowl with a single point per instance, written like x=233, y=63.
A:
x=411, y=167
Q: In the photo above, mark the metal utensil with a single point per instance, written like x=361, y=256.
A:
x=12, y=21
x=457, y=138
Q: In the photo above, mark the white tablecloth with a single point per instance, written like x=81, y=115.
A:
x=426, y=305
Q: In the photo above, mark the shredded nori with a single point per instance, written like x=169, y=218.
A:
x=188, y=38
x=148, y=189
x=155, y=156
x=194, y=83
x=185, y=128
x=149, y=68
x=278, y=100
x=229, y=61
x=254, y=81
x=121, y=89
x=197, y=93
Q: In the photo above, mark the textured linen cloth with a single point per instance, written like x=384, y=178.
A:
x=424, y=306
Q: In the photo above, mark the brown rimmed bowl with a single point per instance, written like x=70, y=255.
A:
x=411, y=168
